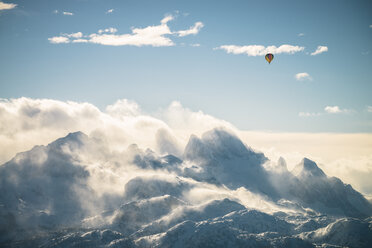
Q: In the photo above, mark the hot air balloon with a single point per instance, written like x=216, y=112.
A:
x=269, y=57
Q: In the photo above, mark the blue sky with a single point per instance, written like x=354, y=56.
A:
x=193, y=69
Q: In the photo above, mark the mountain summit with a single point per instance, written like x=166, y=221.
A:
x=307, y=168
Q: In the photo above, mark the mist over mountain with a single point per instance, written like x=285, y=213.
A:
x=218, y=192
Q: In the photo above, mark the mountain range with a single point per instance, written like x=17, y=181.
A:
x=76, y=192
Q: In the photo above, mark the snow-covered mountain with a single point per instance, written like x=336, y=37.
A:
x=75, y=192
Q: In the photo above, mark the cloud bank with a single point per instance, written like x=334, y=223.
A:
x=156, y=36
x=26, y=122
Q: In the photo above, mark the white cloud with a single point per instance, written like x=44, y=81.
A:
x=59, y=40
x=308, y=114
x=155, y=36
x=327, y=110
x=74, y=35
x=301, y=34
x=149, y=36
x=192, y=30
x=195, y=45
x=259, y=50
x=302, y=76
x=107, y=30
x=67, y=13
x=109, y=11
x=55, y=11
x=79, y=41
x=27, y=122
x=319, y=50
x=370, y=26
x=334, y=110
x=167, y=19
x=369, y=109
x=6, y=6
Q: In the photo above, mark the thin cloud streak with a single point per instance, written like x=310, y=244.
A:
x=67, y=13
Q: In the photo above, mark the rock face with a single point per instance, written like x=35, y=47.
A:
x=76, y=193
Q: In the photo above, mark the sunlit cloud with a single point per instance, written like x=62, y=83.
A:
x=67, y=13
x=259, y=50
x=192, y=30
x=335, y=110
x=303, y=76
x=156, y=36
x=59, y=40
x=319, y=50
x=7, y=6
x=109, y=11
x=28, y=122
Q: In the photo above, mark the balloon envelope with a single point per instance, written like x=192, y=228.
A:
x=269, y=57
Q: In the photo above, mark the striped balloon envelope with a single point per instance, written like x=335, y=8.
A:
x=269, y=57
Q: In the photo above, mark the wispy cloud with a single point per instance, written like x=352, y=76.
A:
x=259, y=50
x=370, y=26
x=369, y=109
x=319, y=50
x=308, y=114
x=107, y=30
x=75, y=35
x=5, y=6
x=327, y=110
x=301, y=34
x=109, y=11
x=303, y=76
x=192, y=30
x=67, y=13
x=155, y=36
